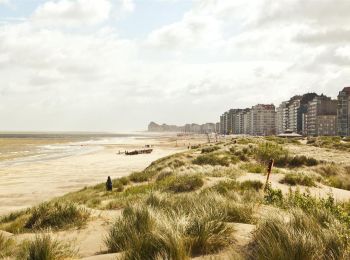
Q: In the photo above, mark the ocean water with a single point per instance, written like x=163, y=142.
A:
x=77, y=144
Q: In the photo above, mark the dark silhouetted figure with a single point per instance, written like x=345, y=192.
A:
x=109, y=184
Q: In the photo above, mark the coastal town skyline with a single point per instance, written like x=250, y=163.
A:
x=115, y=65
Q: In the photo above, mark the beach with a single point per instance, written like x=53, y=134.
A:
x=69, y=166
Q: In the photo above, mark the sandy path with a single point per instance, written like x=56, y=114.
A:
x=29, y=183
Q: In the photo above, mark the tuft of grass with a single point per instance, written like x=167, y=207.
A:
x=44, y=247
x=7, y=246
x=143, y=233
x=55, y=215
x=298, y=179
x=143, y=176
x=223, y=159
x=251, y=185
x=184, y=183
x=253, y=167
x=210, y=149
x=266, y=151
x=302, y=237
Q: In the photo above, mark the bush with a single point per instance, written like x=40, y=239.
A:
x=215, y=159
x=57, y=215
x=253, y=167
x=43, y=247
x=298, y=179
x=184, y=183
x=249, y=184
x=210, y=149
x=299, y=238
x=143, y=233
x=264, y=152
x=143, y=176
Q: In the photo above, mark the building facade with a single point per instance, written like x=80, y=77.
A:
x=263, y=120
x=343, y=112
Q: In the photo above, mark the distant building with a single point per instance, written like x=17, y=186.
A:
x=263, y=120
x=321, y=116
x=343, y=112
x=282, y=118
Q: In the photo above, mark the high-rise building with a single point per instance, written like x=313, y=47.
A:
x=343, y=112
x=263, y=120
x=321, y=116
x=282, y=118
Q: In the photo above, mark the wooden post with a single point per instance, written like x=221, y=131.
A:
x=269, y=170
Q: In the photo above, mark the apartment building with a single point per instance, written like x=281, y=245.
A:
x=282, y=117
x=263, y=120
x=343, y=112
x=321, y=116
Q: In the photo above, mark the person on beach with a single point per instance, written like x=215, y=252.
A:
x=109, y=184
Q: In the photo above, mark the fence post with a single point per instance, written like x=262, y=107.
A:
x=269, y=170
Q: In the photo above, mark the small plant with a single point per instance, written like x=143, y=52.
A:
x=222, y=159
x=253, y=167
x=143, y=176
x=273, y=196
x=6, y=247
x=184, y=183
x=210, y=149
x=57, y=215
x=298, y=179
x=44, y=247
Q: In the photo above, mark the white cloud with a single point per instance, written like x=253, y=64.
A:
x=127, y=5
x=72, y=12
x=220, y=54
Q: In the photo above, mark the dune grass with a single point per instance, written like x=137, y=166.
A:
x=144, y=233
x=183, y=183
x=216, y=158
x=253, y=167
x=298, y=179
x=55, y=215
x=7, y=247
x=44, y=247
x=301, y=237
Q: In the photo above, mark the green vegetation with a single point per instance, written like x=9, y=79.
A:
x=56, y=215
x=143, y=176
x=223, y=159
x=210, y=149
x=184, y=183
x=44, y=247
x=330, y=142
x=301, y=237
x=6, y=246
x=254, y=167
x=298, y=179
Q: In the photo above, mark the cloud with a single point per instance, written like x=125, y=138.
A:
x=72, y=12
x=127, y=5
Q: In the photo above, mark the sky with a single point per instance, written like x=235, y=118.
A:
x=116, y=65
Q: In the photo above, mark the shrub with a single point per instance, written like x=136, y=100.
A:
x=273, y=196
x=44, y=247
x=57, y=215
x=215, y=159
x=299, y=238
x=298, y=179
x=206, y=235
x=253, y=167
x=184, y=183
x=264, y=152
x=251, y=184
x=328, y=170
x=143, y=176
x=210, y=149
x=6, y=246
x=143, y=233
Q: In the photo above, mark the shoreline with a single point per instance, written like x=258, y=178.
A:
x=28, y=183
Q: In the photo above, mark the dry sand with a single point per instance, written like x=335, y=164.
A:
x=30, y=182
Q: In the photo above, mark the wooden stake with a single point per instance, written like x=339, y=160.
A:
x=269, y=170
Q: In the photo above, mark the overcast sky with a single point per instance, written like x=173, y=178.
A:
x=115, y=65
